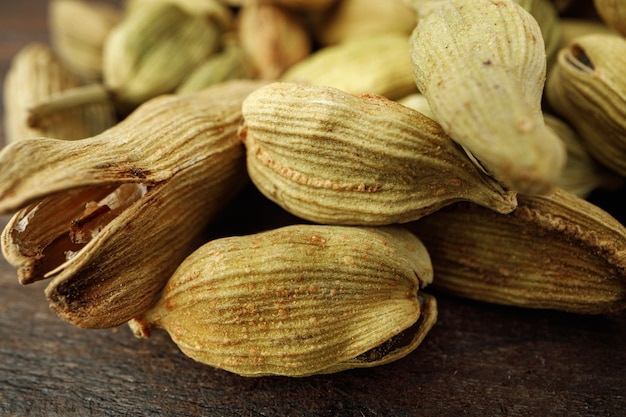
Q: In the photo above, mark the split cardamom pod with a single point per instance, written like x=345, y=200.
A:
x=481, y=64
x=299, y=300
x=587, y=88
x=110, y=217
x=334, y=158
x=555, y=251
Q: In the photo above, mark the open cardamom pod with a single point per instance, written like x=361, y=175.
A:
x=587, y=88
x=330, y=157
x=482, y=64
x=298, y=300
x=110, y=217
x=555, y=251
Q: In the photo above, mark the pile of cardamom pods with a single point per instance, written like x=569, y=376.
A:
x=445, y=144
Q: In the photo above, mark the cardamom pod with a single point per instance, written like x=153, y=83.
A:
x=548, y=19
x=357, y=18
x=587, y=88
x=273, y=37
x=613, y=13
x=555, y=251
x=298, y=300
x=481, y=64
x=78, y=30
x=331, y=157
x=389, y=69
x=35, y=75
x=110, y=217
x=154, y=48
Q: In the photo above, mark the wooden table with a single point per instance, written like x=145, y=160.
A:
x=479, y=359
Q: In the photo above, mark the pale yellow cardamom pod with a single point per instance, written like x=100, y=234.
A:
x=298, y=300
x=555, y=251
x=378, y=64
x=273, y=38
x=587, y=88
x=613, y=12
x=331, y=157
x=358, y=18
x=481, y=64
x=110, y=217
x=78, y=30
x=36, y=74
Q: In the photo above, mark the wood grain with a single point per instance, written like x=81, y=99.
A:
x=479, y=359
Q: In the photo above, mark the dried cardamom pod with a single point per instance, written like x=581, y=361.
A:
x=357, y=18
x=342, y=66
x=298, y=300
x=273, y=37
x=154, y=48
x=78, y=30
x=582, y=174
x=556, y=251
x=481, y=64
x=330, y=157
x=587, y=88
x=613, y=13
x=35, y=75
x=110, y=217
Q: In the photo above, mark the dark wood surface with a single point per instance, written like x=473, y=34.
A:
x=478, y=360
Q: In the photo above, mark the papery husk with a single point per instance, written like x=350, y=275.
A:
x=613, y=13
x=35, y=75
x=582, y=174
x=556, y=251
x=377, y=64
x=330, y=157
x=481, y=65
x=78, y=30
x=587, y=88
x=110, y=217
x=298, y=300
x=357, y=18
